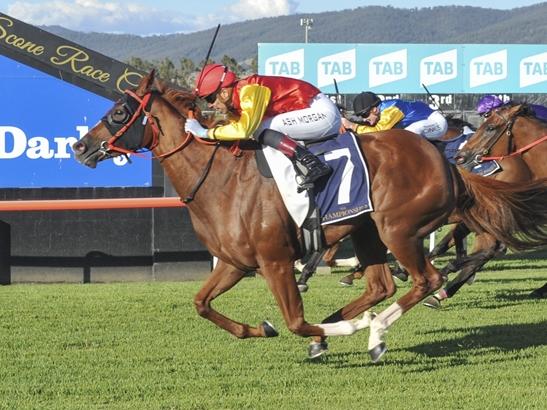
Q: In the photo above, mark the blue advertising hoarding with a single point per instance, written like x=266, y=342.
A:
x=405, y=68
x=41, y=117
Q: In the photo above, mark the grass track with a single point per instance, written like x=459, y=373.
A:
x=142, y=346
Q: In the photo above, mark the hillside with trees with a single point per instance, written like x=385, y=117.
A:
x=177, y=55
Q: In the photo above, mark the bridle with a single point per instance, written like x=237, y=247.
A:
x=135, y=108
x=508, y=130
x=132, y=126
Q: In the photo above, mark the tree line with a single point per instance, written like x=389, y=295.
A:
x=183, y=73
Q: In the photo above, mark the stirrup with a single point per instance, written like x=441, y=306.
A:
x=312, y=234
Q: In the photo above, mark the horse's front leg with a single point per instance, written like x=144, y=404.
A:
x=282, y=283
x=425, y=279
x=222, y=279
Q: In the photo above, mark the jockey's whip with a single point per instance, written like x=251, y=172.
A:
x=433, y=100
x=338, y=99
x=211, y=45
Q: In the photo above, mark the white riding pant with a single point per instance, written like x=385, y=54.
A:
x=432, y=128
x=318, y=121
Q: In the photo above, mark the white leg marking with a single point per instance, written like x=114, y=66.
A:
x=364, y=322
x=380, y=324
x=341, y=328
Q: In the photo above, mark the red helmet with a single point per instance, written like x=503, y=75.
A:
x=212, y=77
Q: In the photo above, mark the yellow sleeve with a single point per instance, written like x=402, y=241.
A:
x=388, y=119
x=254, y=100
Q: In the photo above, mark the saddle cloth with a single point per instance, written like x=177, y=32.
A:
x=345, y=194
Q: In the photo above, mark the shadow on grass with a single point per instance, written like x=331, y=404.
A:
x=499, y=337
x=497, y=265
x=501, y=299
x=507, y=339
x=486, y=279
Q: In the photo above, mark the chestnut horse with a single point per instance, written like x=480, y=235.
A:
x=240, y=217
x=518, y=140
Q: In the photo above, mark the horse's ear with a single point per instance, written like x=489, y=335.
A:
x=514, y=109
x=159, y=85
x=146, y=83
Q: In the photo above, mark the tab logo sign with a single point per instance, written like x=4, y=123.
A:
x=388, y=68
x=439, y=67
x=286, y=65
x=339, y=67
x=533, y=70
x=488, y=68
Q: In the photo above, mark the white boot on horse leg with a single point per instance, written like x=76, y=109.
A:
x=378, y=329
x=365, y=321
x=341, y=328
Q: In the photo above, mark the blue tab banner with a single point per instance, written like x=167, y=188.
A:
x=403, y=68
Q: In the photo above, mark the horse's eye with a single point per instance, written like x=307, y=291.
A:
x=119, y=115
x=490, y=128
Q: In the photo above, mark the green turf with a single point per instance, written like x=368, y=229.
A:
x=142, y=346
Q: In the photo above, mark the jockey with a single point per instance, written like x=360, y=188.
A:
x=271, y=109
x=372, y=114
x=490, y=102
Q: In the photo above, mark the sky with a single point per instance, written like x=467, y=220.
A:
x=144, y=17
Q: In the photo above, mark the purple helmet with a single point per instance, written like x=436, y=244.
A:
x=488, y=103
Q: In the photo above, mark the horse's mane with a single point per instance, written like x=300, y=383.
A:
x=526, y=110
x=183, y=101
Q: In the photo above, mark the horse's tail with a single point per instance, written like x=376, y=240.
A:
x=516, y=214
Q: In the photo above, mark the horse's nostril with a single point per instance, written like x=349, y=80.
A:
x=79, y=147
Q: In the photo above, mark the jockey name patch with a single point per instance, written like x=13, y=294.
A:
x=346, y=193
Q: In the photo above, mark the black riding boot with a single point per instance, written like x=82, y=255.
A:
x=308, y=167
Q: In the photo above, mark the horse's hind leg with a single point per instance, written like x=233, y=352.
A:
x=373, y=254
x=222, y=279
x=457, y=235
x=379, y=281
x=486, y=247
x=443, y=245
x=425, y=279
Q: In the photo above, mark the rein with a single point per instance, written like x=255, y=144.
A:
x=184, y=143
x=517, y=152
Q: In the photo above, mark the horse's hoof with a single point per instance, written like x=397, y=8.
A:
x=432, y=302
x=302, y=287
x=269, y=330
x=377, y=352
x=317, y=349
x=538, y=294
x=347, y=280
